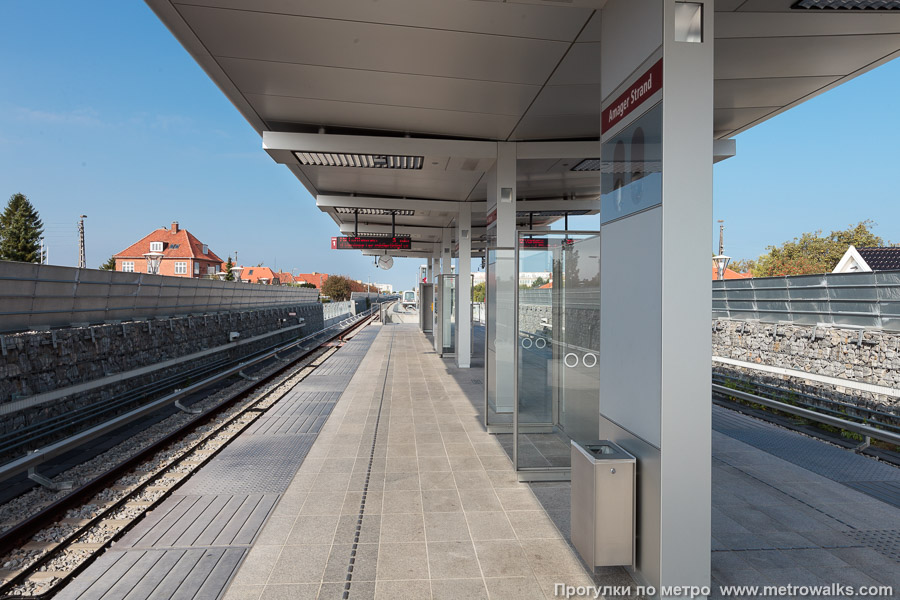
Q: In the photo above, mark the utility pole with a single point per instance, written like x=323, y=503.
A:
x=82, y=260
x=42, y=249
x=721, y=237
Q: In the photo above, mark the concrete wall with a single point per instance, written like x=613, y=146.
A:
x=53, y=372
x=41, y=296
x=864, y=359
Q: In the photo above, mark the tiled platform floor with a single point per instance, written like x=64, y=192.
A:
x=403, y=495
x=443, y=516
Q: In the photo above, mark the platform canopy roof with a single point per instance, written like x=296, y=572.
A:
x=436, y=83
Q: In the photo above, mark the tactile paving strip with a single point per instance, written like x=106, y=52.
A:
x=255, y=464
x=837, y=464
x=885, y=541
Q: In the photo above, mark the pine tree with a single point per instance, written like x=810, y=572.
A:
x=229, y=274
x=109, y=265
x=20, y=231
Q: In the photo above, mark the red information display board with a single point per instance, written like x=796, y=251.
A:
x=533, y=243
x=362, y=242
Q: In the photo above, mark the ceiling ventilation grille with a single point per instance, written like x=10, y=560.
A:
x=364, y=161
x=588, y=164
x=848, y=4
x=346, y=210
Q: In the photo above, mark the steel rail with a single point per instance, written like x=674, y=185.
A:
x=862, y=429
x=110, y=509
x=38, y=456
x=11, y=538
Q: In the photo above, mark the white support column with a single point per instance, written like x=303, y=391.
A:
x=501, y=349
x=656, y=298
x=685, y=419
x=464, y=289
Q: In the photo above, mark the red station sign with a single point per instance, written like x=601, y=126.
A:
x=363, y=242
x=646, y=85
x=533, y=243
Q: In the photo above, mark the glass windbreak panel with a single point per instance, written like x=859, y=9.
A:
x=558, y=345
x=631, y=179
x=448, y=314
x=500, y=274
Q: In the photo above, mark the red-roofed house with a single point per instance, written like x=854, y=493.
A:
x=729, y=274
x=183, y=254
x=263, y=275
x=317, y=279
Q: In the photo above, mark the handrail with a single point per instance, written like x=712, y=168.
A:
x=865, y=430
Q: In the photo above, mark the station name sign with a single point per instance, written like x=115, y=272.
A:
x=363, y=242
x=646, y=85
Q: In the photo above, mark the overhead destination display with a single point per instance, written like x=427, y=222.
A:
x=366, y=242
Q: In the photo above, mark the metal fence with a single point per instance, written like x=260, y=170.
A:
x=870, y=300
x=34, y=296
x=334, y=311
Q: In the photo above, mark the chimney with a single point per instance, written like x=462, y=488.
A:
x=174, y=227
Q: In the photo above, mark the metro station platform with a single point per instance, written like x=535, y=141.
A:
x=401, y=493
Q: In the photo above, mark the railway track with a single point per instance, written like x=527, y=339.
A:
x=872, y=415
x=45, y=551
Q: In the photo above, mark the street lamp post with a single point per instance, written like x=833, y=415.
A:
x=720, y=262
x=237, y=273
x=153, y=261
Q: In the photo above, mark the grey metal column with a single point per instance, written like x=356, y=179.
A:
x=501, y=202
x=464, y=288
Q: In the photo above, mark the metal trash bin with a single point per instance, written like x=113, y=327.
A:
x=603, y=503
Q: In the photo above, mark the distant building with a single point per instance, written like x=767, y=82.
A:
x=385, y=288
x=183, y=254
x=866, y=260
x=265, y=276
x=317, y=279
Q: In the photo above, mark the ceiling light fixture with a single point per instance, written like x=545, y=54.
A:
x=363, y=161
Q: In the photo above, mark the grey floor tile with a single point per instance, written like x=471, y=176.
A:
x=532, y=524
x=300, y=564
x=307, y=591
x=402, y=561
x=459, y=589
x=452, y=560
x=402, y=527
x=490, y=526
x=446, y=527
x=502, y=558
x=441, y=501
x=364, y=560
x=403, y=590
x=513, y=588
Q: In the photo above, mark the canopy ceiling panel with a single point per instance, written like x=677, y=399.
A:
x=492, y=70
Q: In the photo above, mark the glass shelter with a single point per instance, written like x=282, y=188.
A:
x=554, y=345
x=447, y=307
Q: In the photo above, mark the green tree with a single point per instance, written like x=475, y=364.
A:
x=337, y=287
x=109, y=265
x=814, y=253
x=229, y=274
x=478, y=292
x=20, y=231
x=538, y=282
x=743, y=265
x=306, y=284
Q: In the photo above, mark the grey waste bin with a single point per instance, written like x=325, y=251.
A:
x=603, y=503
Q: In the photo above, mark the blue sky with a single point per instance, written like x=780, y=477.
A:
x=104, y=113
